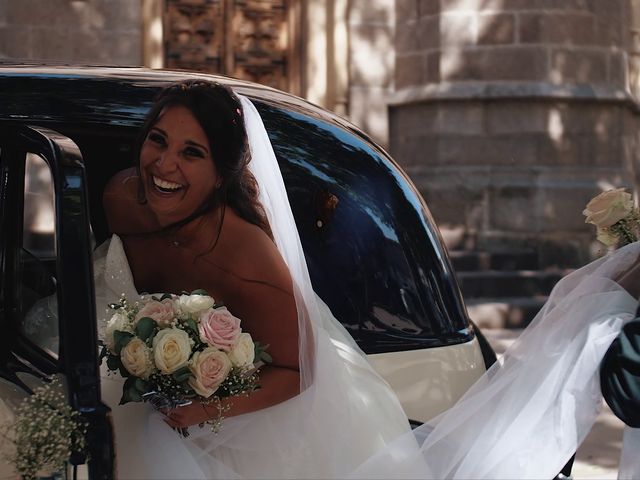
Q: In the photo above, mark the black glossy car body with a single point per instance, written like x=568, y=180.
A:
x=374, y=253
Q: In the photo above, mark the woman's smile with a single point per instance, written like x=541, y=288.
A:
x=176, y=166
x=165, y=186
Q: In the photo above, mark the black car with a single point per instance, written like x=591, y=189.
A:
x=374, y=253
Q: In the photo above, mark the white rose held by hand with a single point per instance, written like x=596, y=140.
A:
x=195, y=303
x=136, y=358
x=210, y=368
x=162, y=312
x=219, y=328
x=243, y=354
x=171, y=349
x=608, y=208
x=120, y=322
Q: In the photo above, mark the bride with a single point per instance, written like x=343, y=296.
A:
x=191, y=215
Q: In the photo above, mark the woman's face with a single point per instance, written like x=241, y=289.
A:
x=176, y=165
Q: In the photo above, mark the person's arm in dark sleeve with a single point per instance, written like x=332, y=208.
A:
x=620, y=375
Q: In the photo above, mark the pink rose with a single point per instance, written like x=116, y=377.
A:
x=210, y=368
x=219, y=328
x=162, y=312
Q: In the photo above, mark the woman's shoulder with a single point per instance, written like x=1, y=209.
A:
x=251, y=254
x=125, y=213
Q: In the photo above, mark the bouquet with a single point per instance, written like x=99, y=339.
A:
x=616, y=218
x=174, y=349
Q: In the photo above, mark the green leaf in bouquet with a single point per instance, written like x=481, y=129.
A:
x=113, y=362
x=260, y=353
x=199, y=291
x=145, y=327
x=130, y=395
x=120, y=340
x=115, y=306
x=190, y=324
x=165, y=296
x=182, y=374
x=104, y=352
x=129, y=391
x=140, y=385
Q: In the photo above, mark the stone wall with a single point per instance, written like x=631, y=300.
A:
x=509, y=115
x=371, y=65
x=72, y=31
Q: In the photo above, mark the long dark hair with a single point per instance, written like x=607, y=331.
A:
x=219, y=112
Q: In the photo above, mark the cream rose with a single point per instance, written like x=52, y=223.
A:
x=136, y=358
x=243, y=354
x=608, y=208
x=219, y=328
x=210, y=368
x=118, y=321
x=162, y=312
x=171, y=349
x=195, y=303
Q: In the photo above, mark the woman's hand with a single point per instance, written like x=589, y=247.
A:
x=193, y=414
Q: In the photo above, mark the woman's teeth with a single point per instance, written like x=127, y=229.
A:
x=165, y=186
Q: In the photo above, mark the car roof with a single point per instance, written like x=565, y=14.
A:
x=154, y=79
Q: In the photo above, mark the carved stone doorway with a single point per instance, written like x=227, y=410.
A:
x=256, y=40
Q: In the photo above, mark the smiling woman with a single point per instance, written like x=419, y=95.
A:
x=189, y=219
x=177, y=172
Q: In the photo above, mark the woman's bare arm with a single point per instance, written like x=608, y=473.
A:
x=265, y=303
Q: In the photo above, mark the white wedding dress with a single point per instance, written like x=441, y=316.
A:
x=522, y=420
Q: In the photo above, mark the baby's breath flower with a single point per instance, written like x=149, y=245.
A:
x=46, y=432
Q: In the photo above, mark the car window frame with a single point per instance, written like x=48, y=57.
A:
x=78, y=351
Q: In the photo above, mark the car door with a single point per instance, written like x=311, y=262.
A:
x=47, y=311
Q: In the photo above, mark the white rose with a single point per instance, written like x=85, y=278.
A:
x=243, y=354
x=608, y=208
x=171, y=349
x=136, y=358
x=210, y=368
x=119, y=321
x=195, y=303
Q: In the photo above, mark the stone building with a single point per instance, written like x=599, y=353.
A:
x=508, y=114
x=511, y=114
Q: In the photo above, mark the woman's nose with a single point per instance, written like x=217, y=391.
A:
x=168, y=160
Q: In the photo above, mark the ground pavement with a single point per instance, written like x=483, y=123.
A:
x=598, y=456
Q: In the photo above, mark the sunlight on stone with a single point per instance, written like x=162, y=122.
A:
x=450, y=62
x=555, y=127
x=475, y=5
x=606, y=184
x=317, y=47
x=155, y=32
x=558, y=62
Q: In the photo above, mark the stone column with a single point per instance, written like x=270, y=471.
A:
x=509, y=115
x=371, y=65
x=325, y=59
x=152, y=34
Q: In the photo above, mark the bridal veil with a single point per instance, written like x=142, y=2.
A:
x=523, y=419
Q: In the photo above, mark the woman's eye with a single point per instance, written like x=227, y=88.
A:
x=157, y=138
x=193, y=152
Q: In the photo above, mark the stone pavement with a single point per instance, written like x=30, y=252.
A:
x=598, y=456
